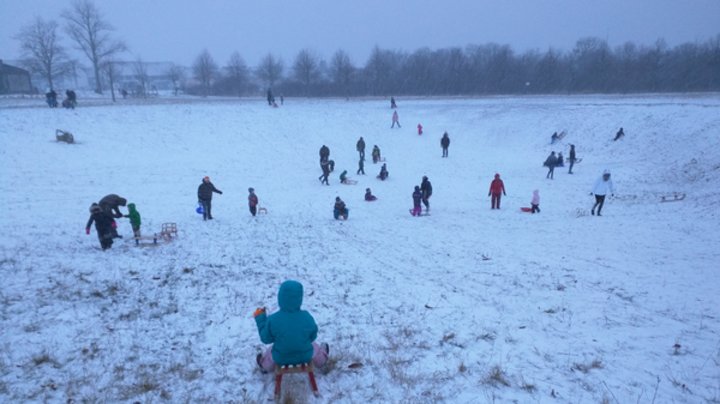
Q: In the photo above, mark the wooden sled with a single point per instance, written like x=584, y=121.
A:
x=146, y=240
x=261, y=210
x=348, y=181
x=676, y=196
x=169, y=231
x=280, y=371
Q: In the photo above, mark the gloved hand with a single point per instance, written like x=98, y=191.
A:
x=488, y=193
x=113, y=225
x=220, y=192
x=87, y=230
x=259, y=311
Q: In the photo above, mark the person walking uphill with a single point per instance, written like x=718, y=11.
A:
x=550, y=163
x=416, y=197
x=445, y=143
x=497, y=188
x=291, y=331
x=602, y=186
x=252, y=201
x=104, y=225
x=205, y=191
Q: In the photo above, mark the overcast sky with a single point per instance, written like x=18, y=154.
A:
x=178, y=30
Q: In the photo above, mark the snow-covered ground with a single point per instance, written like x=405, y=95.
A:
x=466, y=305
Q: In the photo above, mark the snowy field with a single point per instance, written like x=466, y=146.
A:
x=467, y=305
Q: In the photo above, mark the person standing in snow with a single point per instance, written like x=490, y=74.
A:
x=376, y=154
x=291, y=331
x=361, y=167
x=395, y=120
x=571, y=158
x=420, y=128
x=550, y=163
x=560, y=160
x=323, y=178
x=205, y=191
x=392, y=103
x=602, y=186
x=426, y=189
x=252, y=201
x=445, y=143
x=497, y=188
x=360, y=147
x=324, y=153
x=340, y=211
x=104, y=225
x=535, y=202
x=135, y=220
x=416, y=197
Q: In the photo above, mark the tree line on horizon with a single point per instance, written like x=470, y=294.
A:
x=592, y=66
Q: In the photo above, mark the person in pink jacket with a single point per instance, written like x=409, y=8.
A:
x=497, y=188
x=395, y=120
x=535, y=203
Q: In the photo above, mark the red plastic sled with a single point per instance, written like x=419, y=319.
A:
x=526, y=209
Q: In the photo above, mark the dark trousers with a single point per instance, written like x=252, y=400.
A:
x=551, y=172
x=445, y=152
x=362, y=154
x=495, y=201
x=207, y=205
x=599, y=202
x=324, y=178
x=253, y=210
x=535, y=208
x=426, y=202
x=572, y=163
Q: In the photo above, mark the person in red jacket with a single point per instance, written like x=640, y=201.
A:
x=496, y=188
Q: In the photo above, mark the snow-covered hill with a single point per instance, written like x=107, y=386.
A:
x=466, y=305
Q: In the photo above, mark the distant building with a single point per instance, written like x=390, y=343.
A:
x=14, y=80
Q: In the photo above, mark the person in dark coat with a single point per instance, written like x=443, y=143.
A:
x=445, y=143
x=111, y=204
x=51, y=99
x=619, y=134
x=323, y=178
x=270, y=97
x=497, y=188
x=550, y=163
x=392, y=103
x=205, y=191
x=252, y=201
x=324, y=153
x=361, y=167
x=560, y=160
x=369, y=196
x=340, y=210
x=383, y=173
x=376, y=154
x=426, y=189
x=572, y=158
x=416, y=197
x=104, y=225
x=360, y=147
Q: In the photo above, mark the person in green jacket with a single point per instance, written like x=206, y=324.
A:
x=292, y=332
x=134, y=216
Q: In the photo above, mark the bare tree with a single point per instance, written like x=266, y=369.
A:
x=237, y=73
x=42, y=52
x=141, y=75
x=306, y=68
x=109, y=68
x=341, y=70
x=205, y=70
x=177, y=76
x=87, y=27
x=270, y=70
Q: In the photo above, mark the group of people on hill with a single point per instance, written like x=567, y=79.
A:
x=69, y=102
x=103, y=214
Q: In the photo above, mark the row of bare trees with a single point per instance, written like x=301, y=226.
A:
x=591, y=66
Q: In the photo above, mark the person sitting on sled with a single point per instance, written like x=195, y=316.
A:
x=340, y=210
x=291, y=331
x=369, y=196
x=383, y=173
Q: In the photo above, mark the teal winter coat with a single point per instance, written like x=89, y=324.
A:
x=290, y=330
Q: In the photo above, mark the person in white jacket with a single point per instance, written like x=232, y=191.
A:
x=602, y=186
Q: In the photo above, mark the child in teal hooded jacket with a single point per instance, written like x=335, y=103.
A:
x=292, y=332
